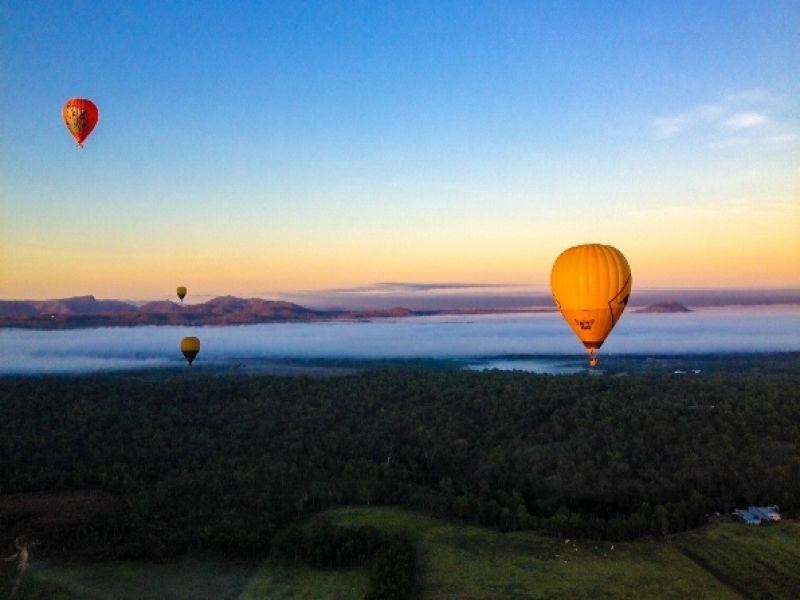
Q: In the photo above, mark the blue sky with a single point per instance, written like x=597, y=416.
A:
x=255, y=146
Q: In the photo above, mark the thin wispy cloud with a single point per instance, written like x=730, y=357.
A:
x=745, y=120
x=412, y=287
x=748, y=111
x=666, y=127
x=669, y=126
x=754, y=140
x=425, y=296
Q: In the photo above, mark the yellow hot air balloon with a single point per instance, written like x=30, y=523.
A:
x=591, y=285
x=190, y=346
x=181, y=292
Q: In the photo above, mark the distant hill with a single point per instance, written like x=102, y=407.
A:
x=665, y=307
x=253, y=309
x=161, y=307
x=87, y=311
x=227, y=310
x=78, y=305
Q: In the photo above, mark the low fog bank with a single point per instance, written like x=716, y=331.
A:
x=518, y=297
x=773, y=329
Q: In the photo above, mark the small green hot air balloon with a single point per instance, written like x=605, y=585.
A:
x=181, y=292
x=190, y=346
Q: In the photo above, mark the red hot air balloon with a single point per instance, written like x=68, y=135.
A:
x=80, y=117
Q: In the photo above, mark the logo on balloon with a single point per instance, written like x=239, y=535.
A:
x=585, y=324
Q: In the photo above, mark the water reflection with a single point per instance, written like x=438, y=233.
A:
x=531, y=365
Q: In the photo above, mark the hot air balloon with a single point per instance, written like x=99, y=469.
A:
x=181, y=292
x=80, y=116
x=190, y=346
x=591, y=285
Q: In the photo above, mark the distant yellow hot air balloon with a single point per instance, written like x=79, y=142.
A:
x=190, y=346
x=181, y=292
x=591, y=285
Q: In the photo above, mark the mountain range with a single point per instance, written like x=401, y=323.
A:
x=88, y=311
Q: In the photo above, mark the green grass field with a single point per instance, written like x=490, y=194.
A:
x=208, y=578
x=760, y=562
x=726, y=560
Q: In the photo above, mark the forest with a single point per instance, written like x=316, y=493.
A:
x=228, y=463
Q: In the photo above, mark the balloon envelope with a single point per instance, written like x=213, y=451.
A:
x=181, y=292
x=80, y=117
x=591, y=285
x=190, y=346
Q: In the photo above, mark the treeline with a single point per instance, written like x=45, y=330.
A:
x=227, y=462
x=389, y=558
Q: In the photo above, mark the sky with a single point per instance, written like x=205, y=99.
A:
x=265, y=149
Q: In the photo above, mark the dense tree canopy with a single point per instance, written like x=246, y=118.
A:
x=226, y=462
